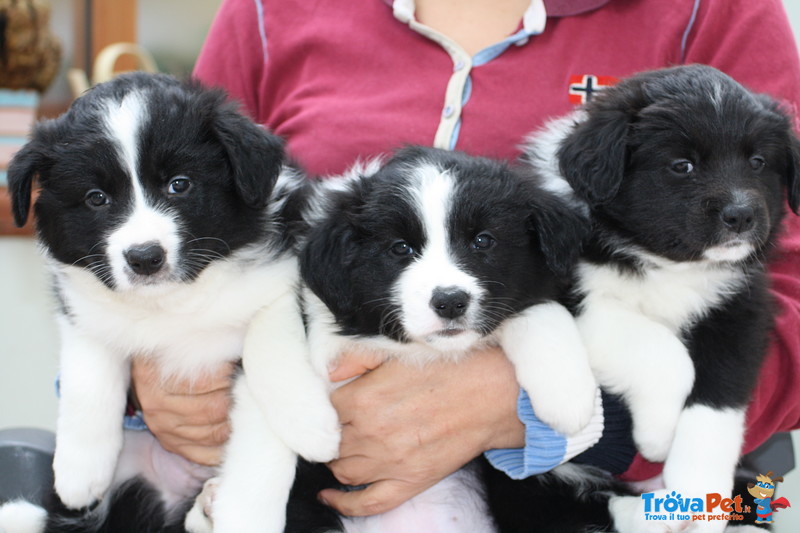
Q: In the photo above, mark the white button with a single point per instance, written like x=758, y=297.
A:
x=448, y=111
x=459, y=65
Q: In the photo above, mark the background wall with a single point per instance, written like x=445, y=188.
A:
x=173, y=31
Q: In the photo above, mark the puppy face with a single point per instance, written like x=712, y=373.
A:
x=438, y=248
x=686, y=164
x=145, y=181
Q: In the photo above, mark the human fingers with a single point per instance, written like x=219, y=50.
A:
x=378, y=498
x=202, y=455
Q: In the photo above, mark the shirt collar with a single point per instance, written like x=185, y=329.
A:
x=554, y=8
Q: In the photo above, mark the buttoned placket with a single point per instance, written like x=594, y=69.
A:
x=458, y=87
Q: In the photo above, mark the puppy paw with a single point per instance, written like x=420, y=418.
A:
x=315, y=434
x=566, y=409
x=654, y=433
x=199, y=518
x=82, y=477
x=234, y=512
x=654, y=446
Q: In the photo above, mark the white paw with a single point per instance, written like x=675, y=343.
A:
x=231, y=516
x=654, y=431
x=199, y=518
x=565, y=407
x=653, y=445
x=22, y=517
x=82, y=477
x=314, y=435
x=629, y=515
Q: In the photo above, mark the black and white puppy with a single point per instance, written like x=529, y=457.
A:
x=161, y=217
x=430, y=255
x=685, y=174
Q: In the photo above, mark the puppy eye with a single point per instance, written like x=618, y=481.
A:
x=682, y=166
x=401, y=248
x=757, y=162
x=179, y=186
x=96, y=198
x=484, y=241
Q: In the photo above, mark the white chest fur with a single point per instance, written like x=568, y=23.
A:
x=188, y=326
x=672, y=294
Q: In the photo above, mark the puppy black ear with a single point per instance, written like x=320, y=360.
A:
x=26, y=165
x=592, y=158
x=330, y=252
x=560, y=229
x=255, y=155
x=793, y=176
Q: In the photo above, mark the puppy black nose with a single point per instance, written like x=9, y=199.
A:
x=146, y=259
x=738, y=218
x=450, y=303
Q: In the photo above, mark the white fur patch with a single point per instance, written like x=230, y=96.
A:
x=145, y=224
x=541, y=149
x=710, y=467
x=730, y=252
x=123, y=121
x=22, y=517
x=674, y=294
x=435, y=269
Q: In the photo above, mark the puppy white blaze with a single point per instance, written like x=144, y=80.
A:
x=730, y=252
x=431, y=194
x=145, y=223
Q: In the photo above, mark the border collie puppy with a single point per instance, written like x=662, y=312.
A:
x=430, y=255
x=685, y=174
x=161, y=216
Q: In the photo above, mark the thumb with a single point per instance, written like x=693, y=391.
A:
x=352, y=365
x=377, y=498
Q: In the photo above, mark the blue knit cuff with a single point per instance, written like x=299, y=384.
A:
x=544, y=448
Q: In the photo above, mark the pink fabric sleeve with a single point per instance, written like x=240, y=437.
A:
x=234, y=54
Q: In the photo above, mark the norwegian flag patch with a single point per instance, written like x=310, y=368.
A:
x=583, y=86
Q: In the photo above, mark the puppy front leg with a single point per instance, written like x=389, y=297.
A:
x=552, y=366
x=256, y=476
x=646, y=363
x=702, y=461
x=705, y=452
x=289, y=390
x=93, y=387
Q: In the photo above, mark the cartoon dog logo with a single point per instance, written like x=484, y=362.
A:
x=762, y=492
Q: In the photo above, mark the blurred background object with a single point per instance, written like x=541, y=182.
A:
x=29, y=52
x=30, y=56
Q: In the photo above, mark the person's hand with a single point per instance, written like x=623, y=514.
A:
x=405, y=428
x=188, y=418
